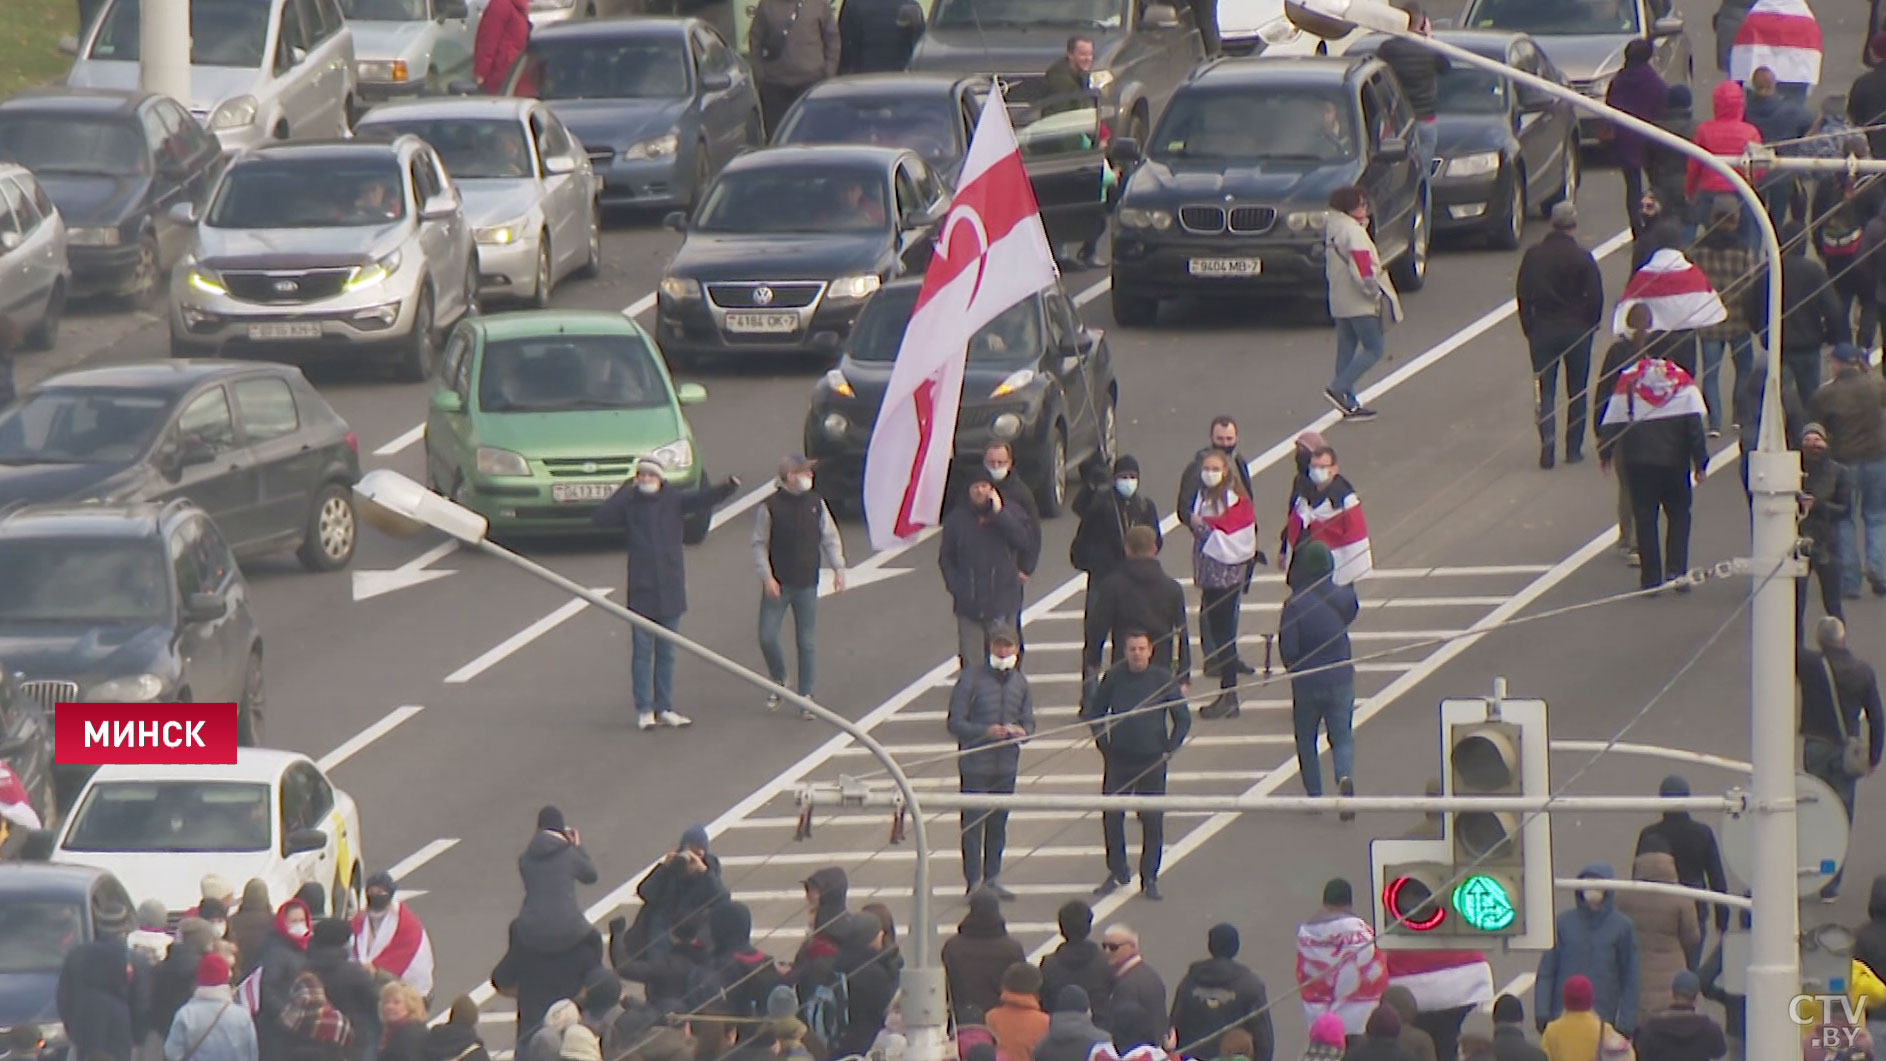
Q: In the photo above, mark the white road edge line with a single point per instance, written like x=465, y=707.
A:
x=411, y=863
x=510, y=645
x=922, y=684
x=367, y=736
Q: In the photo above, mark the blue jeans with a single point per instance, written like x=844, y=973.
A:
x=804, y=603
x=1869, y=482
x=1741, y=351
x=652, y=668
x=1358, y=348
x=1331, y=707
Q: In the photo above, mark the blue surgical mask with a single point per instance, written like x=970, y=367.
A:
x=1126, y=487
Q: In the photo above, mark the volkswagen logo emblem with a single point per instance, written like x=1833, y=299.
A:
x=589, y=467
x=286, y=287
x=762, y=295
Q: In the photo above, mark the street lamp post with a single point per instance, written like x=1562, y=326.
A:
x=1774, y=481
x=163, y=48
x=402, y=507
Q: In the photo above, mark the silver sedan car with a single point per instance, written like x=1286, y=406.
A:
x=530, y=195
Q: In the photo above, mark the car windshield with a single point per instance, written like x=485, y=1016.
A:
x=81, y=426
x=796, y=199
x=970, y=14
x=50, y=144
x=615, y=68
x=1281, y=124
x=280, y=193
x=932, y=127
x=559, y=373
x=1556, y=18
x=82, y=581
x=472, y=148
x=35, y=934
x=171, y=817
x=222, y=32
x=386, y=10
x=1464, y=90
x=1013, y=337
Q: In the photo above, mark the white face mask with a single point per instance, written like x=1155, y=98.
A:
x=1322, y=476
x=1591, y=899
x=647, y=486
x=998, y=474
x=1211, y=477
x=1126, y=487
x=219, y=927
x=1001, y=662
x=799, y=484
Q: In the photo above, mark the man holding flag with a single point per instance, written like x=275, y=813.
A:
x=1653, y=426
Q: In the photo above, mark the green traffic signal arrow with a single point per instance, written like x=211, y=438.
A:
x=1484, y=904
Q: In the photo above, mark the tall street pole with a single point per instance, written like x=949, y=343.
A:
x=1775, y=481
x=163, y=48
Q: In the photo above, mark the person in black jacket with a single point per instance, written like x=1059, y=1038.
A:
x=745, y=973
x=678, y=896
x=1866, y=100
x=93, y=998
x=991, y=710
x=651, y=514
x=1078, y=961
x=1665, y=169
x=984, y=541
x=877, y=36
x=1679, y=1032
x=1561, y=303
x=1832, y=712
x=998, y=459
x=1418, y=68
x=1139, y=717
x=1138, y=596
x=1811, y=314
x=1108, y=508
x=349, y=984
x=1653, y=427
x=1218, y=994
x=1698, y=856
x=869, y=985
x=1826, y=499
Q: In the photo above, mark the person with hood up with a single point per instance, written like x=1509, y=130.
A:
x=1637, y=90
x=1509, y=1032
x=878, y=36
x=1417, y=1044
x=678, y=897
x=1811, y=314
x=314, y=897
x=975, y=959
x=1839, y=691
x=1666, y=170
x=173, y=981
x=1108, y=507
x=1594, y=943
x=1329, y=1040
x=1652, y=426
x=1381, y=1038
x=389, y=937
x=869, y=986
x=457, y=1039
x=745, y=974
x=1826, y=500
x=793, y=531
x=251, y=925
x=1726, y=135
x=1220, y=993
x=1692, y=845
x=1017, y=1020
x=1561, y=305
x=825, y=893
x=1869, y=947
x=991, y=710
x=1138, y=595
x=546, y=1042
x=1077, y=962
x=1666, y=927
x=792, y=45
x=1677, y=1032
x=402, y=1023
x=1730, y=265
x=1853, y=406
x=652, y=517
x=1339, y=969
x=347, y=983
x=554, y=862
x=1139, y=718
x=313, y=1028
x=502, y=35
x=980, y=557
x=211, y=1026
x=1360, y=297
x=93, y=998
x=283, y=959
x=1072, y=1032
x=1313, y=643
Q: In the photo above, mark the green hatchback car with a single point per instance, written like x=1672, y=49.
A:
x=536, y=418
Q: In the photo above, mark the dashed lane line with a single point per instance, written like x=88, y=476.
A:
x=519, y=641
x=355, y=743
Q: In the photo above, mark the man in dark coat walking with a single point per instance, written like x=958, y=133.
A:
x=877, y=36
x=1698, y=856
x=1135, y=984
x=1108, y=507
x=1138, y=596
x=1139, y=718
x=1839, y=701
x=1680, y=1033
x=1561, y=303
x=1078, y=962
x=984, y=542
x=1218, y=994
x=1811, y=314
x=1866, y=100
x=991, y=710
x=94, y=992
x=651, y=514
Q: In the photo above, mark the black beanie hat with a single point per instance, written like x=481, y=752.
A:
x=1222, y=941
x=1338, y=893
x=1126, y=464
x=1384, y=1023
x=332, y=932
x=550, y=819
x=1508, y=1009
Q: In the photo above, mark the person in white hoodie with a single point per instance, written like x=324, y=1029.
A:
x=212, y=1026
x=1338, y=968
x=1362, y=299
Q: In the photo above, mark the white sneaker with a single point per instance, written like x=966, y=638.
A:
x=772, y=701
x=645, y=720
x=671, y=719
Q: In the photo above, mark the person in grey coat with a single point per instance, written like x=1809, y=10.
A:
x=990, y=709
x=1596, y=941
x=1072, y=1033
x=552, y=865
x=212, y=1026
x=793, y=45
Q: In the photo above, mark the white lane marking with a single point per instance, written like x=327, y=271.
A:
x=411, y=863
x=871, y=568
x=1518, y=986
x=1053, y=744
x=370, y=584
x=931, y=717
x=511, y=645
x=786, y=779
x=639, y=306
x=1653, y=751
x=741, y=504
x=367, y=736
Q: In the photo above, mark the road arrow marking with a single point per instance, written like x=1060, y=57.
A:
x=872, y=568
x=413, y=572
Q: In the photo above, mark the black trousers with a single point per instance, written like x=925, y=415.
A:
x=1551, y=351
x=1218, y=633
x=1134, y=775
x=1666, y=492
x=1827, y=573
x=1443, y=1026
x=985, y=832
x=1633, y=197
x=1855, y=289
x=776, y=100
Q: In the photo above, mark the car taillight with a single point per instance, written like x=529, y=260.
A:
x=353, y=443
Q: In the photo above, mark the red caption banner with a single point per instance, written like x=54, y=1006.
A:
x=144, y=734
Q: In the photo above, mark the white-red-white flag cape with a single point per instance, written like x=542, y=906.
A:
x=991, y=252
x=1337, y=522
x=1783, y=36
x=1675, y=290
x=1653, y=389
x=399, y=947
x=1233, y=539
x=16, y=807
x=249, y=992
x=1441, y=979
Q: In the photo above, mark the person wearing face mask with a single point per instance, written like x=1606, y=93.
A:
x=980, y=555
x=1826, y=498
x=999, y=461
x=650, y=514
x=284, y=958
x=389, y=938
x=792, y=531
x=1325, y=508
x=1139, y=718
x=1595, y=942
x=1224, y=530
x=1224, y=440
x=991, y=712
x=1108, y=507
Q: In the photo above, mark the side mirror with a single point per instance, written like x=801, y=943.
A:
x=1317, y=24
x=716, y=82
x=558, y=165
x=439, y=208
x=10, y=241
x=302, y=841
x=69, y=45
x=297, y=56
x=1668, y=26
x=184, y=214
x=675, y=221
x=1534, y=102
x=1159, y=16
x=1123, y=151
x=690, y=394
x=194, y=451
x=1392, y=149
x=447, y=402
x=462, y=88
x=204, y=608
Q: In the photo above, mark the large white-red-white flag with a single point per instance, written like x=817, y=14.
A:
x=16, y=806
x=1676, y=292
x=991, y=253
x=1782, y=35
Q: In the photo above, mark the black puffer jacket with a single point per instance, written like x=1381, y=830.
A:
x=981, y=556
x=1077, y=963
x=94, y=998
x=1099, y=546
x=877, y=36
x=1811, y=314
x=976, y=957
x=1215, y=995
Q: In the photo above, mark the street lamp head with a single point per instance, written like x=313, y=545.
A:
x=402, y=508
x=1335, y=19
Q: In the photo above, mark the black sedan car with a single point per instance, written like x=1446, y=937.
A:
x=1037, y=378
x=45, y=911
x=253, y=444
x=788, y=244
x=935, y=115
x=114, y=163
x=1234, y=187
x=1499, y=147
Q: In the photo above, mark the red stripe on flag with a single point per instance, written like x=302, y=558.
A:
x=997, y=201
x=1344, y=528
x=1779, y=31
x=924, y=400
x=1645, y=284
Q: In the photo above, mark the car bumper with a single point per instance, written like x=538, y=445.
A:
x=383, y=91
x=373, y=322
x=692, y=328
x=102, y=270
x=1163, y=267
x=1465, y=203
x=651, y=183
x=530, y=506
x=508, y=270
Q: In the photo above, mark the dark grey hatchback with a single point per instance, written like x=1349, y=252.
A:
x=252, y=444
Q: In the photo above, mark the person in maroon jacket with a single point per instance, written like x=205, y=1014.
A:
x=503, y=31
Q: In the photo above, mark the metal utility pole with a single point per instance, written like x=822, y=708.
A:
x=163, y=48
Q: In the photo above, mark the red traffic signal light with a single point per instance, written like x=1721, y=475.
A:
x=1410, y=902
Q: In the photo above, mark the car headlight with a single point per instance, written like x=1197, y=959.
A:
x=1306, y=220
x=836, y=425
x=1476, y=165
x=1016, y=381
x=381, y=70
x=676, y=454
x=137, y=689
x=205, y=280
x=1599, y=84
x=1098, y=80
x=51, y=1034
x=1134, y=217
x=1008, y=425
x=502, y=235
x=93, y=237
x=680, y=287
x=863, y=285
x=493, y=461
x=839, y=385
x=234, y=113
x=654, y=147
x=376, y=272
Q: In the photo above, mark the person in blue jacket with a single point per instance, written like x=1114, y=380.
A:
x=1313, y=638
x=1594, y=940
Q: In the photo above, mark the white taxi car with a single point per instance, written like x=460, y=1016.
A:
x=1260, y=27
x=273, y=815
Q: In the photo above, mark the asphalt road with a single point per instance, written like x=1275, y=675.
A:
x=453, y=708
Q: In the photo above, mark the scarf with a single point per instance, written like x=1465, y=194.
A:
x=309, y=1016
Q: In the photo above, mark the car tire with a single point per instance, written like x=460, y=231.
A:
x=415, y=364
x=147, y=276
x=592, y=265
x=1506, y=230
x=1568, y=179
x=1051, y=489
x=45, y=334
x=1410, y=271
x=333, y=530
x=251, y=712
x=1131, y=310
x=546, y=281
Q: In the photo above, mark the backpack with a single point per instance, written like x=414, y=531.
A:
x=826, y=1008
x=1841, y=232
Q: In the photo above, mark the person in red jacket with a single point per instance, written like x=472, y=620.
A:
x=503, y=31
x=1725, y=135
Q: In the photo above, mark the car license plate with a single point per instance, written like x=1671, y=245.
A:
x=1225, y=266
x=285, y=330
x=567, y=492
x=768, y=323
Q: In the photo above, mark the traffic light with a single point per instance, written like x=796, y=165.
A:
x=1483, y=759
